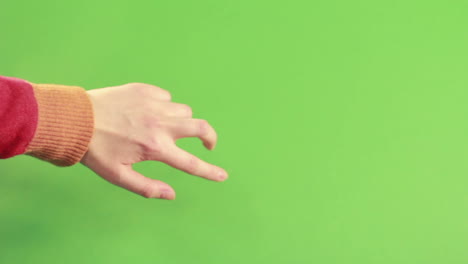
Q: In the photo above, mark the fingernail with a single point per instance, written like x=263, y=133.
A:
x=222, y=175
x=165, y=194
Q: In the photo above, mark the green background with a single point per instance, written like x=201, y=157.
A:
x=343, y=125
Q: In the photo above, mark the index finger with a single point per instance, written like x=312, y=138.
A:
x=185, y=161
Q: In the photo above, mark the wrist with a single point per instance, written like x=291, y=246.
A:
x=65, y=124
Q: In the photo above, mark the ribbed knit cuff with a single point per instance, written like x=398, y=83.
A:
x=65, y=124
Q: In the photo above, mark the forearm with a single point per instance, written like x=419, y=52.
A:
x=18, y=116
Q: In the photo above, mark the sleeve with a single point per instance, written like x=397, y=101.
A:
x=51, y=122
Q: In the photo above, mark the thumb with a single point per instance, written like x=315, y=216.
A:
x=144, y=186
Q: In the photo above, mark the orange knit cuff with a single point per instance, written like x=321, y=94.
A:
x=65, y=124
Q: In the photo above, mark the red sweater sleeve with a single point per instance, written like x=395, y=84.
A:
x=18, y=116
x=51, y=122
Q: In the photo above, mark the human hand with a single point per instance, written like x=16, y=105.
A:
x=137, y=122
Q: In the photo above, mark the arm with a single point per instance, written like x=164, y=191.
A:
x=106, y=129
x=18, y=116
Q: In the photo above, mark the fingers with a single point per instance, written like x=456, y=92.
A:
x=171, y=109
x=184, y=127
x=182, y=160
x=162, y=94
x=135, y=182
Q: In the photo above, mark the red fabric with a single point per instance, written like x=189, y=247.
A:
x=18, y=116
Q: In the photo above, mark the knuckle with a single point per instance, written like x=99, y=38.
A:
x=188, y=110
x=149, y=191
x=151, y=146
x=192, y=165
x=166, y=94
x=141, y=88
x=163, y=93
x=203, y=126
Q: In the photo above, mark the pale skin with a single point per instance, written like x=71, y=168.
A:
x=138, y=122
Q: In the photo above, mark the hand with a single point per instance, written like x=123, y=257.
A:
x=137, y=122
